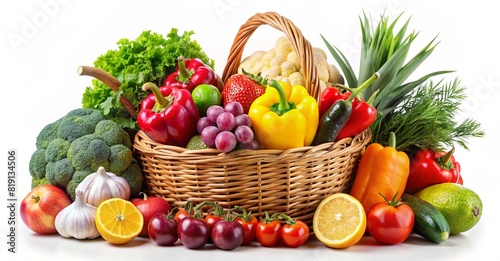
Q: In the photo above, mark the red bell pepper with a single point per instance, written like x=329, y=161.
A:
x=362, y=116
x=191, y=73
x=168, y=115
x=429, y=167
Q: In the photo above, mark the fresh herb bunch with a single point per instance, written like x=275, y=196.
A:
x=148, y=58
x=405, y=107
x=425, y=119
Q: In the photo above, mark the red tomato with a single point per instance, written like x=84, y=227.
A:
x=268, y=231
x=249, y=226
x=184, y=212
x=215, y=214
x=180, y=214
x=390, y=222
x=212, y=219
x=294, y=233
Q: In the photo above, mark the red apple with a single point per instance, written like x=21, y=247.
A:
x=149, y=206
x=40, y=207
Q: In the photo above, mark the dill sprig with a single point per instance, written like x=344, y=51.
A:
x=426, y=119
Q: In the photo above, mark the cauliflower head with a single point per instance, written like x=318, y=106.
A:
x=76, y=145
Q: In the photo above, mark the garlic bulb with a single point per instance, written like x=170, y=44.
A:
x=103, y=185
x=77, y=220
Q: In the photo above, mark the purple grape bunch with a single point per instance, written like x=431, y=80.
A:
x=227, y=128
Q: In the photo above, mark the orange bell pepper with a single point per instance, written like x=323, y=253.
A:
x=381, y=170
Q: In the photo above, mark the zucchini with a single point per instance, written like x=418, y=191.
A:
x=430, y=223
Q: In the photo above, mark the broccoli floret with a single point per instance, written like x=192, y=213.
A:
x=60, y=172
x=110, y=132
x=78, y=123
x=133, y=176
x=78, y=152
x=120, y=158
x=77, y=178
x=37, y=164
x=57, y=150
x=37, y=182
x=99, y=150
x=47, y=134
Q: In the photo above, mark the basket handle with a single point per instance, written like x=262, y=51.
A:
x=301, y=46
x=108, y=79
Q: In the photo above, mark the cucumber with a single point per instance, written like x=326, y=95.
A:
x=332, y=122
x=430, y=223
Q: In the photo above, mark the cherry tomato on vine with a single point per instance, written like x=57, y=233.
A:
x=212, y=219
x=268, y=230
x=185, y=212
x=390, y=222
x=295, y=232
x=249, y=224
x=180, y=214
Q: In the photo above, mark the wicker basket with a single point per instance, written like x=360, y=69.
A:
x=290, y=181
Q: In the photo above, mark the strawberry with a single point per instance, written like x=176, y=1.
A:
x=243, y=88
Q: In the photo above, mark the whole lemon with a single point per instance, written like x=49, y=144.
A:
x=461, y=206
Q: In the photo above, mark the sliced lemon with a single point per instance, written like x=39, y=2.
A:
x=339, y=221
x=118, y=220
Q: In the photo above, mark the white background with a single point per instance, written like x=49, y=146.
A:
x=40, y=84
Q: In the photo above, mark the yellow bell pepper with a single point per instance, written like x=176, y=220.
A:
x=284, y=117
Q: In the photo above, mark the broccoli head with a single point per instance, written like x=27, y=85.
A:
x=76, y=145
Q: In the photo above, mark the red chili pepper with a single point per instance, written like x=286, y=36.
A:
x=429, y=167
x=362, y=116
x=329, y=96
x=168, y=115
x=191, y=73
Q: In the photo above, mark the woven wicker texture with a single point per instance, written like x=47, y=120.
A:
x=291, y=181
